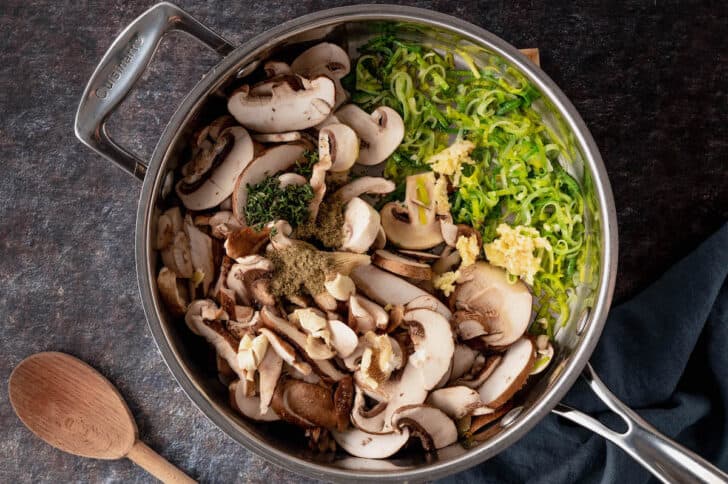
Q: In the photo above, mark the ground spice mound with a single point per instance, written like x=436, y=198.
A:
x=298, y=269
x=327, y=228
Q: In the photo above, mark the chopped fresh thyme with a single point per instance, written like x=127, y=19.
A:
x=267, y=201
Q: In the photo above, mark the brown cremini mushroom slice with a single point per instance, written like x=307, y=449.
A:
x=372, y=185
x=401, y=266
x=385, y=288
x=273, y=160
x=371, y=446
x=286, y=351
x=434, y=345
x=216, y=184
x=244, y=272
x=414, y=225
x=304, y=404
x=173, y=292
x=469, y=324
x=505, y=306
x=458, y=401
x=510, y=375
x=434, y=429
x=276, y=106
x=381, y=132
x=201, y=255
x=246, y=241
x=249, y=406
x=340, y=144
x=420, y=255
x=477, y=378
x=361, y=226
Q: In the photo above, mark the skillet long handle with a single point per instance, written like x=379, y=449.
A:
x=120, y=69
x=667, y=460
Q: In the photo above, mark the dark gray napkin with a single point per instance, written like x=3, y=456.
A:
x=665, y=354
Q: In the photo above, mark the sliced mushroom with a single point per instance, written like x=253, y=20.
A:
x=249, y=406
x=401, y=266
x=420, y=255
x=215, y=334
x=448, y=261
x=361, y=225
x=286, y=352
x=386, y=288
x=246, y=241
x=505, y=306
x=200, y=254
x=343, y=401
x=289, y=179
x=341, y=287
x=271, y=161
x=222, y=224
x=371, y=446
x=510, y=375
x=244, y=273
x=414, y=225
x=277, y=106
x=428, y=301
x=269, y=371
x=434, y=345
x=318, y=179
x=304, y=404
x=341, y=145
x=168, y=224
x=381, y=131
x=251, y=352
x=173, y=292
x=366, y=184
x=343, y=338
x=469, y=324
x=366, y=315
x=457, y=402
x=462, y=361
x=276, y=68
x=177, y=257
x=381, y=241
x=286, y=137
x=434, y=429
x=218, y=182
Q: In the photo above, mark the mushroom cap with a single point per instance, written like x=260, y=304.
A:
x=434, y=345
x=402, y=266
x=510, y=375
x=220, y=182
x=505, y=306
x=370, y=446
x=367, y=184
x=322, y=58
x=271, y=161
x=275, y=106
x=361, y=225
x=382, y=131
x=435, y=429
x=342, y=146
x=304, y=404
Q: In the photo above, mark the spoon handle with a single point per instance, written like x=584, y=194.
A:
x=156, y=465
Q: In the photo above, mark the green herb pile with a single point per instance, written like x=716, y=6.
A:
x=516, y=177
x=268, y=201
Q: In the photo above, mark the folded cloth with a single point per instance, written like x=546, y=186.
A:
x=663, y=353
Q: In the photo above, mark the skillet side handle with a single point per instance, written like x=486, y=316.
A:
x=665, y=459
x=120, y=69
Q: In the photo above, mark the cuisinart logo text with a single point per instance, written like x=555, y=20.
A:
x=131, y=51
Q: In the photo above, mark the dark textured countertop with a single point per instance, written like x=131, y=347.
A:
x=649, y=78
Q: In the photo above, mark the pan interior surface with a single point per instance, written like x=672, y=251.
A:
x=193, y=362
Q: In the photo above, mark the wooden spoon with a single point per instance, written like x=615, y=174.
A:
x=74, y=408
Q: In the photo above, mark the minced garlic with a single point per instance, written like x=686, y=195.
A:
x=446, y=281
x=514, y=250
x=442, y=203
x=468, y=249
x=378, y=360
x=450, y=160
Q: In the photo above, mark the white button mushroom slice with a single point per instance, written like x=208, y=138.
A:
x=324, y=368
x=249, y=406
x=434, y=345
x=343, y=338
x=326, y=56
x=201, y=254
x=435, y=429
x=340, y=143
x=244, y=272
x=372, y=185
x=173, y=292
x=477, y=378
x=386, y=288
x=428, y=301
x=193, y=316
x=251, y=351
x=462, y=361
x=287, y=137
x=367, y=315
x=467, y=325
x=402, y=266
x=284, y=109
x=370, y=446
x=276, y=68
x=506, y=306
x=510, y=375
x=219, y=185
x=361, y=225
x=168, y=224
x=341, y=287
x=381, y=131
x=457, y=402
x=273, y=160
x=269, y=371
x=380, y=241
x=286, y=351
x=223, y=342
x=288, y=179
